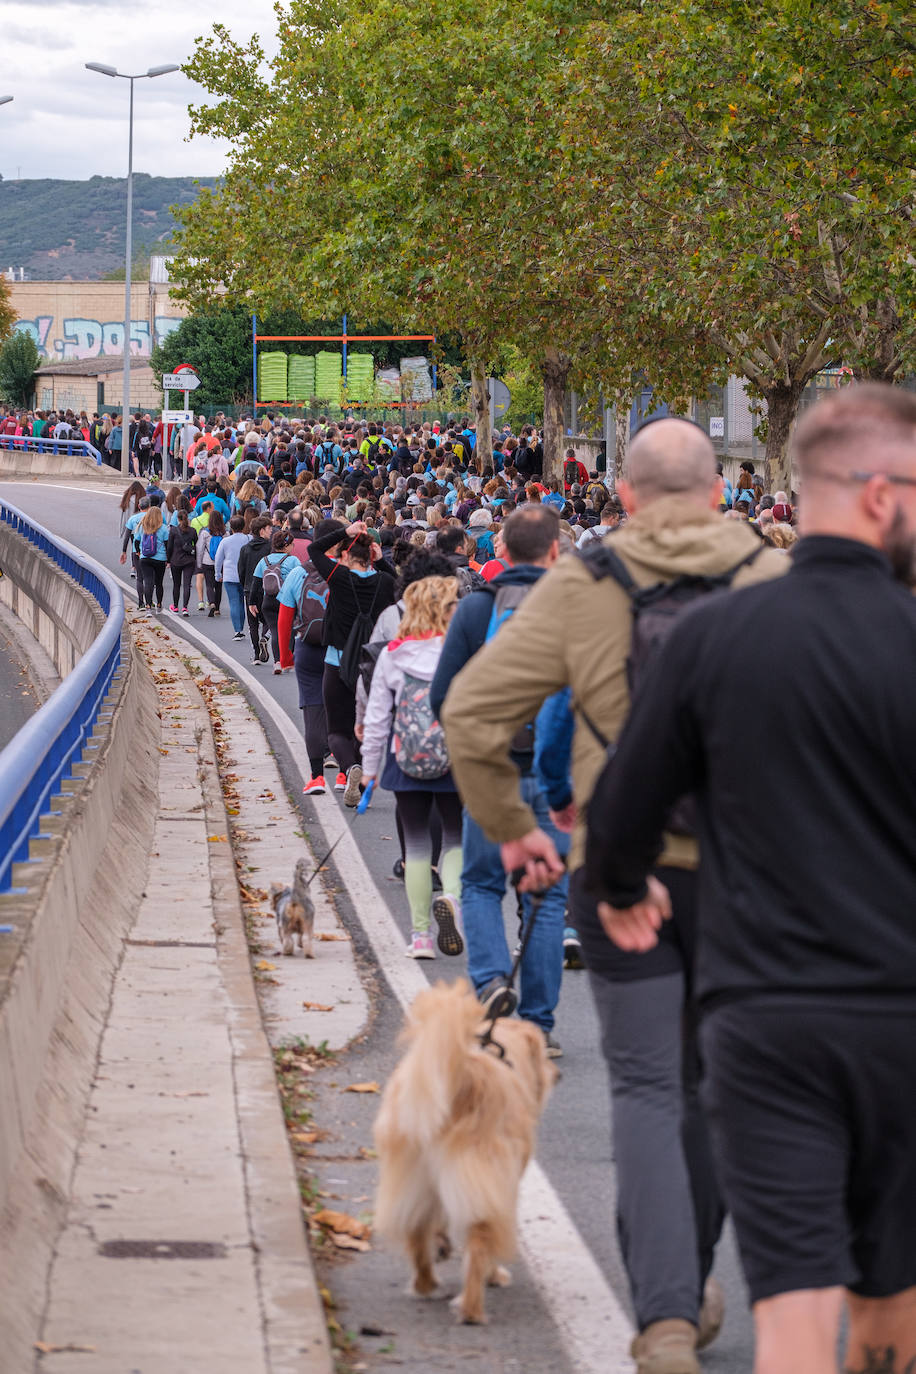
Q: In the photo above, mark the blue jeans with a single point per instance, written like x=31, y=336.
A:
x=483, y=886
x=236, y=595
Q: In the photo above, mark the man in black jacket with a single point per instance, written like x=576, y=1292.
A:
x=249, y=558
x=806, y=963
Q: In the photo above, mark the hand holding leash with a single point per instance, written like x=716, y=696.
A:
x=533, y=861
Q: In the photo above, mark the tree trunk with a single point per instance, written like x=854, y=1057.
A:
x=554, y=369
x=622, y=407
x=782, y=407
x=480, y=405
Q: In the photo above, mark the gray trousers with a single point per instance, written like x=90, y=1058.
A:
x=669, y=1215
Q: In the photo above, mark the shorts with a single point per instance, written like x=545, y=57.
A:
x=812, y=1110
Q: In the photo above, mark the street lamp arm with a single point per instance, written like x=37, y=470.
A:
x=5, y=99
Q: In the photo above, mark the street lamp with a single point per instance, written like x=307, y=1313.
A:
x=125, y=402
x=5, y=99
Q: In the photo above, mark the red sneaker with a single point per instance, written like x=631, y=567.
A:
x=315, y=786
x=340, y=782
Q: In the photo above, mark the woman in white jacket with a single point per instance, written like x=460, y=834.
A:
x=404, y=748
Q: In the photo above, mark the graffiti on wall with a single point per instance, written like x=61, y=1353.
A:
x=83, y=338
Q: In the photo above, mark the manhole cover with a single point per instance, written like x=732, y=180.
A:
x=162, y=1249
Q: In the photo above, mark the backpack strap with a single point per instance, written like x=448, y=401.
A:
x=602, y=562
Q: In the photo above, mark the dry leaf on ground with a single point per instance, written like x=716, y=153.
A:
x=347, y=1242
x=305, y=1137
x=363, y=1088
x=342, y=1222
x=316, y=1006
x=325, y=935
x=264, y=966
x=45, y=1348
x=217, y=839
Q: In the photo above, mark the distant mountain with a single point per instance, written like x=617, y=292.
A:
x=75, y=229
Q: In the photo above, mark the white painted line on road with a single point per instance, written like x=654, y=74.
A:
x=595, y=1328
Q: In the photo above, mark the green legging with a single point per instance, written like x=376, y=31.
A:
x=415, y=809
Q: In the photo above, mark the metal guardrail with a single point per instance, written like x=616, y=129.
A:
x=42, y=754
x=24, y=443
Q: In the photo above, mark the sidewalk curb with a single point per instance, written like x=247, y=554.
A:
x=294, y=1319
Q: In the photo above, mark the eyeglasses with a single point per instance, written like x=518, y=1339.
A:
x=897, y=478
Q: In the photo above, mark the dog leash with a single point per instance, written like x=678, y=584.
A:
x=361, y=810
x=502, y=1004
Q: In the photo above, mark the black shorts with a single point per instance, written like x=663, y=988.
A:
x=813, y=1115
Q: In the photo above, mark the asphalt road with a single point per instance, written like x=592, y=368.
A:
x=17, y=695
x=574, y=1149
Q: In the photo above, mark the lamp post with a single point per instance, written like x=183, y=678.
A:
x=125, y=400
x=5, y=99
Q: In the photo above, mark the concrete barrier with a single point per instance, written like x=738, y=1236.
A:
x=18, y=462
x=71, y=907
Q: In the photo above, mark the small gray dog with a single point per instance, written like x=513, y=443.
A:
x=295, y=911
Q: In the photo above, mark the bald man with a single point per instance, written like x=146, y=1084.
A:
x=806, y=967
x=574, y=630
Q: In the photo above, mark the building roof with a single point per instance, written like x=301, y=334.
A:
x=91, y=367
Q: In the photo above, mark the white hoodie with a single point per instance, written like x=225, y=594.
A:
x=419, y=657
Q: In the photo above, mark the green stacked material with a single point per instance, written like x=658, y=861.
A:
x=360, y=376
x=301, y=377
x=328, y=377
x=272, y=377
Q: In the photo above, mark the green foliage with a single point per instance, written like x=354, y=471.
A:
x=218, y=343
x=83, y=223
x=7, y=313
x=526, y=387
x=18, y=363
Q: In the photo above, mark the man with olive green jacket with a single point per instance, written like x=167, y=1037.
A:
x=574, y=629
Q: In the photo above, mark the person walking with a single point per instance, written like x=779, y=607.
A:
x=181, y=554
x=360, y=587
x=575, y=629
x=806, y=959
x=404, y=748
x=209, y=539
x=267, y=582
x=226, y=566
x=248, y=559
x=153, y=538
x=531, y=542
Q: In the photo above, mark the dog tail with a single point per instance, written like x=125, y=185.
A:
x=441, y=1030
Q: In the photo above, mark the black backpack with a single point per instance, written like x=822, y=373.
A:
x=372, y=453
x=360, y=630
x=570, y=471
x=656, y=610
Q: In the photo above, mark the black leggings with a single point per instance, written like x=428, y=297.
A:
x=340, y=708
x=214, y=588
x=152, y=574
x=315, y=726
x=435, y=828
x=270, y=610
x=254, y=628
x=181, y=578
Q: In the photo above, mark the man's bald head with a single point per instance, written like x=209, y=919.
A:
x=671, y=457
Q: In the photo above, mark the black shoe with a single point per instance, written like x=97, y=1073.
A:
x=398, y=869
x=437, y=881
x=572, y=952
x=264, y=649
x=211, y=612
x=498, y=998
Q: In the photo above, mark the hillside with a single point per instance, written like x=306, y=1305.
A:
x=75, y=229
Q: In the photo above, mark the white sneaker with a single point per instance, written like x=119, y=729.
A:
x=420, y=947
x=352, y=793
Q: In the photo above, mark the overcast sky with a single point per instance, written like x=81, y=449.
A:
x=67, y=122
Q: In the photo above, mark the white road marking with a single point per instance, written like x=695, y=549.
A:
x=595, y=1328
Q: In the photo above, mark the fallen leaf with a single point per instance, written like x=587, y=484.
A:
x=322, y=935
x=363, y=1088
x=347, y=1242
x=342, y=1222
x=191, y=1094
x=316, y=1006
x=163, y=751
x=44, y=1348
x=217, y=839
x=305, y=1137
x=263, y=966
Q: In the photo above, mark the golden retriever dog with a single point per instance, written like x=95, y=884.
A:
x=454, y=1132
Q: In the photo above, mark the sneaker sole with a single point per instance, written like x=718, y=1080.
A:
x=572, y=956
x=500, y=1002
x=352, y=793
x=420, y=953
x=449, y=939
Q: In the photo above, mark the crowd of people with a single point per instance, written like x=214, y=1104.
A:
x=473, y=637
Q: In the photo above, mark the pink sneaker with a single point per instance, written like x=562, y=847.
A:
x=174, y=609
x=420, y=947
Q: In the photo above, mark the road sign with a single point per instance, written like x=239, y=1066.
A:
x=177, y=417
x=180, y=381
x=717, y=426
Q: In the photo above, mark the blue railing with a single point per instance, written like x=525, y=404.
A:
x=24, y=443
x=42, y=754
